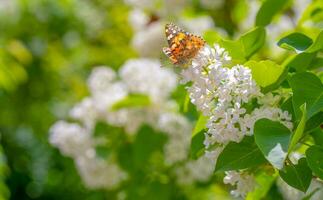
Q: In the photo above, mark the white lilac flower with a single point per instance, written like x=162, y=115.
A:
x=221, y=93
x=97, y=173
x=243, y=181
x=150, y=40
x=269, y=99
x=145, y=76
x=70, y=138
x=272, y=113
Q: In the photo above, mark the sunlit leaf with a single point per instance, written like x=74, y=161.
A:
x=265, y=72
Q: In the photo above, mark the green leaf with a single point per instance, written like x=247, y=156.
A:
x=295, y=41
x=316, y=63
x=147, y=142
x=243, y=48
x=235, y=49
x=300, y=62
x=288, y=106
x=252, y=41
x=317, y=135
x=264, y=183
x=314, y=122
x=268, y=10
x=298, y=176
x=102, y=151
x=133, y=100
x=307, y=88
x=265, y=72
x=197, y=146
x=272, y=139
x=317, y=45
x=299, y=130
x=211, y=37
x=239, y=155
x=314, y=156
x=200, y=124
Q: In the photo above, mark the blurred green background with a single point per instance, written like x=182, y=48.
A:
x=47, y=50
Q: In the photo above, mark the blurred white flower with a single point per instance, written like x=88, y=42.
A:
x=97, y=173
x=243, y=181
x=195, y=171
x=138, y=19
x=290, y=193
x=248, y=22
x=85, y=112
x=145, y=76
x=87, y=12
x=149, y=41
x=275, y=30
x=212, y=4
x=198, y=25
x=105, y=89
x=142, y=4
x=103, y=101
x=160, y=7
x=298, y=7
x=70, y=138
x=7, y=6
x=178, y=130
x=101, y=78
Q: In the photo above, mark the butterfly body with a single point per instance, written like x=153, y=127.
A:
x=183, y=46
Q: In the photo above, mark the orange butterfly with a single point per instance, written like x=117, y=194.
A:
x=183, y=46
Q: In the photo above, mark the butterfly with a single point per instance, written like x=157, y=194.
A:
x=183, y=46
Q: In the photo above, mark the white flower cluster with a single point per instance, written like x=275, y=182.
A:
x=77, y=142
x=245, y=182
x=177, y=128
x=222, y=93
x=196, y=170
x=137, y=76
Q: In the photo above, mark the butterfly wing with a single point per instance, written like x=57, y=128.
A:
x=168, y=52
x=171, y=31
x=183, y=46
